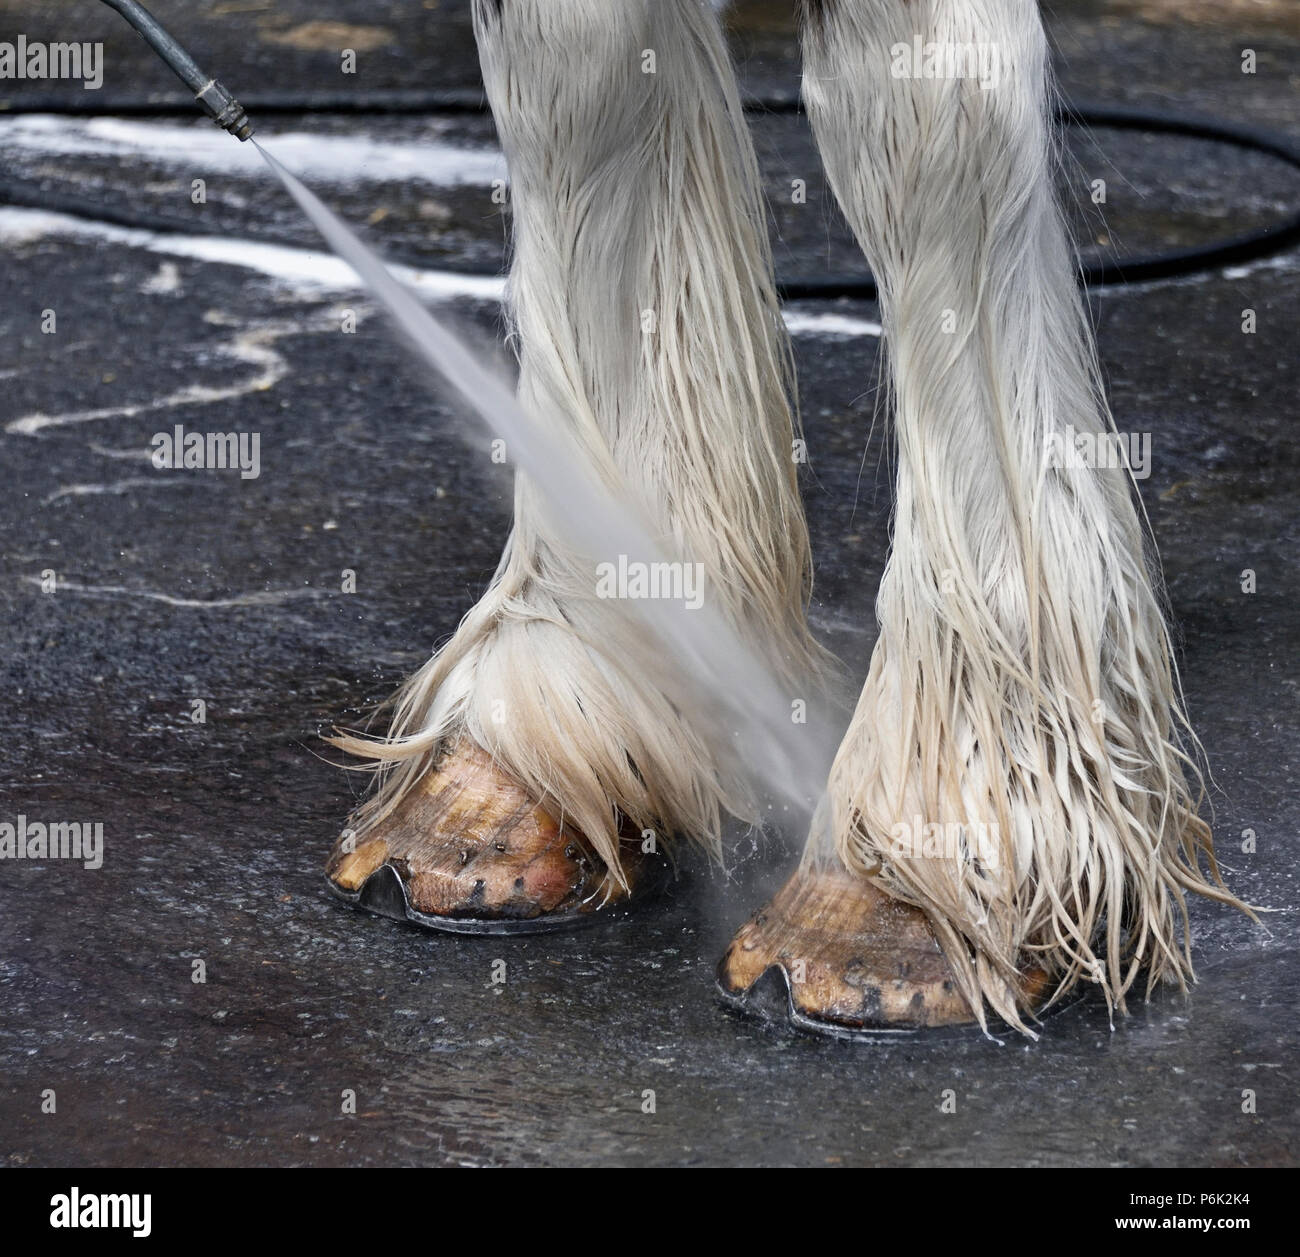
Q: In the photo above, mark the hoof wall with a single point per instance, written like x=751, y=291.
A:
x=831, y=954
x=468, y=852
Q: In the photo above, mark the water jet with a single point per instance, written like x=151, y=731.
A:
x=729, y=694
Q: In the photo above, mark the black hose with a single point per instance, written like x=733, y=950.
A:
x=1234, y=250
x=219, y=104
x=267, y=104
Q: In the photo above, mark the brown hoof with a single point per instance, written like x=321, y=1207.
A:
x=469, y=852
x=845, y=958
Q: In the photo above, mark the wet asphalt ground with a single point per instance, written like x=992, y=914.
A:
x=171, y=588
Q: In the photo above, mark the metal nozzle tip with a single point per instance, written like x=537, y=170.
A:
x=225, y=110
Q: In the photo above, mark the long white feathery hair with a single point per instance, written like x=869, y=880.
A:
x=643, y=303
x=1021, y=690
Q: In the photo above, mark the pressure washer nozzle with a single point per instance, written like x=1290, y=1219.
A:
x=225, y=110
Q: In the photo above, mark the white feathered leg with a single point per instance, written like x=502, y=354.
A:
x=641, y=292
x=1013, y=767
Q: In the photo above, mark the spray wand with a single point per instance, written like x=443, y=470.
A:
x=220, y=105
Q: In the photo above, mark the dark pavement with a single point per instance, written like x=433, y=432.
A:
x=174, y=586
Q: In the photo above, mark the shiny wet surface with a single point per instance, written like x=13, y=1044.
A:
x=175, y=587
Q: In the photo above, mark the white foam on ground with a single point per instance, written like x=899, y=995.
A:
x=202, y=149
x=304, y=270
x=311, y=271
x=808, y=323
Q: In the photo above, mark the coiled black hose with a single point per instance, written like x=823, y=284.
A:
x=1233, y=250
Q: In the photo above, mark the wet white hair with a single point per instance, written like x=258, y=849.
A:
x=1021, y=686
x=644, y=309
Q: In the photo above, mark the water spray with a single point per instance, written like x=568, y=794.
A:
x=731, y=695
x=218, y=103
